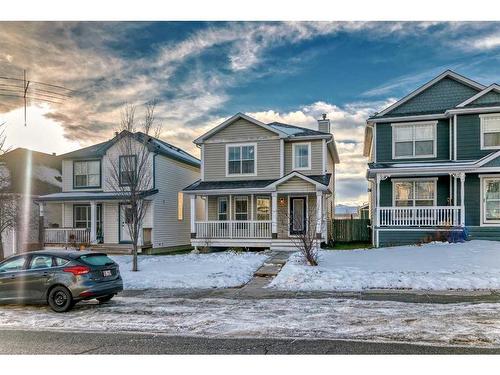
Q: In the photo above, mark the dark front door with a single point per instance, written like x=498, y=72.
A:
x=297, y=215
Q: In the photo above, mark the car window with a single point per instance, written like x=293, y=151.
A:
x=60, y=261
x=40, y=261
x=13, y=264
x=96, y=260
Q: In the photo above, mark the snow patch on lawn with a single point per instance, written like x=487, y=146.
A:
x=216, y=270
x=471, y=265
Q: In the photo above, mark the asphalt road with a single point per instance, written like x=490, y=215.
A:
x=50, y=342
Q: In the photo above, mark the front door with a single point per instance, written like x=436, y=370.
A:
x=297, y=215
x=125, y=219
x=491, y=200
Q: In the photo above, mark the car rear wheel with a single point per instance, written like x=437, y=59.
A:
x=105, y=298
x=60, y=299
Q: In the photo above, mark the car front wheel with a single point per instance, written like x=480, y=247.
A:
x=105, y=299
x=60, y=299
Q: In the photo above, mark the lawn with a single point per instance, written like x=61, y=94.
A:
x=472, y=265
x=215, y=270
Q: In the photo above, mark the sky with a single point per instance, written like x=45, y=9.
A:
x=201, y=73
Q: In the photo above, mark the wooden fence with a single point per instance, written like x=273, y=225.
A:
x=350, y=230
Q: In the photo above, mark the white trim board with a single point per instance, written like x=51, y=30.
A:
x=480, y=94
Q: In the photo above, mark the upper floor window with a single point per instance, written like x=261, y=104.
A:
x=490, y=131
x=301, y=155
x=241, y=159
x=128, y=164
x=87, y=174
x=418, y=192
x=416, y=140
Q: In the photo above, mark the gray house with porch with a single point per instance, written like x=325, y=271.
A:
x=434, y=163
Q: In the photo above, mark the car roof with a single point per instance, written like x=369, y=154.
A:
x=73, y=254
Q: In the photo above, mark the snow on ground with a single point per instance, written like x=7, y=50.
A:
x=438, y=266
x=437, y=324
x=215, y=270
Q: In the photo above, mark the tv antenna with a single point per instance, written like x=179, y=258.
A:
x=33, y=90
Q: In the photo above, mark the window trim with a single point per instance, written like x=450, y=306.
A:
x=75, y=187
x=481, y=120
x=120, y=168
x=218, y=208
x=294, y=167
x=266, y=197
x=424, y=179
x=228, y=145
x=242, y=198
x=483, y=221
x=413, y=124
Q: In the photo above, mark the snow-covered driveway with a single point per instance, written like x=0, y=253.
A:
x=439, y=324
x=438, y=266
x=215, y=270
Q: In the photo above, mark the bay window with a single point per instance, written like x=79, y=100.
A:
x=415, y=140
x=241, y=159
x=490, y=131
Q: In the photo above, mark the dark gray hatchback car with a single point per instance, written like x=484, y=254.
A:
x=59, y=278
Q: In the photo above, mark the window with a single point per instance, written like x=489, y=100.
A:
x=241, y=159
x=263, y=208
x=409, y=193
x=81, y=216
x=128, y=165
x=241, y=208
x=40, y=261
x=490, y=131
x=16, y=264
x=301, y=155
x=491, y=200
x=180, y=206
x=58, y=262
x=222, y=208
x=87, y=174
x=416, y=140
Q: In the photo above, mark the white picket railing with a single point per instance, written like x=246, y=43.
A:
x=67, y=235
x=233, y=229
x=435, y=216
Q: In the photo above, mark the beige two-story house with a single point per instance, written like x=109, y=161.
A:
x=260, y=183
x=94, y=212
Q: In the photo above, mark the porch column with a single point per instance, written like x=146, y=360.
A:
x=41, y=224
x=93, y=222
x=274, y=214
x=462, y=199
x=192, y=214
x=319, y=214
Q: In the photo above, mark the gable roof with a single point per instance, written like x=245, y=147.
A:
x=155, y=145
x=232, y=119
x=473, y=86
x=488, y=91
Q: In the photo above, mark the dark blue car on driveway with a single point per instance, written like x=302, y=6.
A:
x=59, y=278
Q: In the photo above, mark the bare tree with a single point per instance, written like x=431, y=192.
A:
x=8, y=201
x=306, y=239
x=131, y=170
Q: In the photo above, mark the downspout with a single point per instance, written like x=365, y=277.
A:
x=454, y=137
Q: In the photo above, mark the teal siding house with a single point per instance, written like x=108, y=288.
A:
x=434, y=163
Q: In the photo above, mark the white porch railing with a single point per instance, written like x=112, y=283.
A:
x=67, y=235
x=436, y=216
x=233, y=229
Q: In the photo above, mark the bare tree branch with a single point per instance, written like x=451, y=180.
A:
x=8, y=201
x=131, y=168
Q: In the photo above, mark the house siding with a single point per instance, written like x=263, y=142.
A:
x=443, y=95
x=241, y=130
x=316, y=157
x=111, y=222
x=297, y=185
x=171, y=178
x=469, y=138
x=384, y=143
x=268, y=161
x=408, y=237
x=492, y=98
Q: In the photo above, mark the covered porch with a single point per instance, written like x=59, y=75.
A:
x=89, y=220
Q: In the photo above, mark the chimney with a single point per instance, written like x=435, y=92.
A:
x=53, y=154
x=324, y=124
x=116, y=134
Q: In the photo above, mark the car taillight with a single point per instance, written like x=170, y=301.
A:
x=77, y=270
